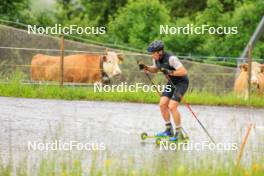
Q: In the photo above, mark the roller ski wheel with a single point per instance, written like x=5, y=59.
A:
x=184, y=141
x=158, y=141
x=187, y=139
x=144, y=136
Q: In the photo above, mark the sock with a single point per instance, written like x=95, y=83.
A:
x=178, y=128
x=168, y=125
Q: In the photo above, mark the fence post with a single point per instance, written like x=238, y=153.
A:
x=249, y=69
x=62, y=61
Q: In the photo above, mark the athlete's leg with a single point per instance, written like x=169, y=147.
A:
x=173, y=107
x=164, y=109
x=164, y=102
x=180, y=90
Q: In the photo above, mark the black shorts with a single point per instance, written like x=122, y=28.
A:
x=175, y=93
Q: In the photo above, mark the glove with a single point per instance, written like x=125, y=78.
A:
x=142, y=66
x=166, y=71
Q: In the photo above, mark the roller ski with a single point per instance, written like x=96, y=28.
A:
x=165, y=134
x=180, y=136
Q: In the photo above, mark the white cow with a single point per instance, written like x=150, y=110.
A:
x=257, y=79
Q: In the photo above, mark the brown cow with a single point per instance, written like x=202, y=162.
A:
x=257, y=79
x=80, y=68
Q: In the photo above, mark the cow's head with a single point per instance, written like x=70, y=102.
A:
x=243, y=67
x=256, y=70
x=111, y=63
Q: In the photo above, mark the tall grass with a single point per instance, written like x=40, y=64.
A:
x=58, y=165
x=14, y=88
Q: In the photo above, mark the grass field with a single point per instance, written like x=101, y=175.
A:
x=15, y=89
x=63, y=166
x=81, y=93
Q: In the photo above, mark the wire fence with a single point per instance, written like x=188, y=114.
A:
x=18, y=48
x=130, y=73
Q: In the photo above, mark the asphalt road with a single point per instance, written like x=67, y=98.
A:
x=116, y=127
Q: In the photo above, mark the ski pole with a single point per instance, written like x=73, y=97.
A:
x=160, y=95
x=189, y=108
x=152, y=83
x=149, y=78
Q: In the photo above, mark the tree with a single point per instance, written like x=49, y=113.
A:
x=138, y=22
x=183, y=44
x=100, y=11
x=45, y=18
x=246, y=16
x=16, y=10
x=67, y=10
x=182, y=8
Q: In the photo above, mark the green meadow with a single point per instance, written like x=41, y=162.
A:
x=56, y=166
x=14, y=88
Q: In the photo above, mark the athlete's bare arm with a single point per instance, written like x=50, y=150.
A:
x=179, y=72
x=152, y=69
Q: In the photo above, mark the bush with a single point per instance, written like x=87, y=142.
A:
x=138, y=22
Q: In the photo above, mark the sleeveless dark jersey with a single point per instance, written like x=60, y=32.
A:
x=164, y=62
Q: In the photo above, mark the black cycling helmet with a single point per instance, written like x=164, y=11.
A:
x=156, y=45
